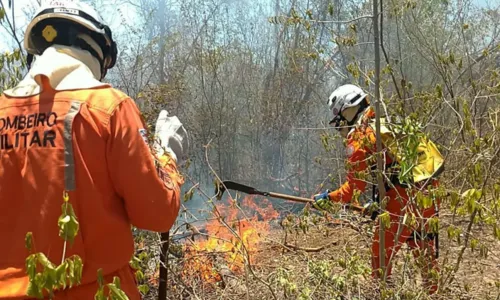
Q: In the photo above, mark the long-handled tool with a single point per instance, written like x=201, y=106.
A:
x=231, y=185
x=165, y=243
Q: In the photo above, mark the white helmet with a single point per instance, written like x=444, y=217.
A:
x=61, y=22
x=343, y=97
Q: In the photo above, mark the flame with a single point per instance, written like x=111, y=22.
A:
x=265, y=209
x=232, y=240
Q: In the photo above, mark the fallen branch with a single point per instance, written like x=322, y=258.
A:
x=190, y=234
x=317, y=249
x=355, y=226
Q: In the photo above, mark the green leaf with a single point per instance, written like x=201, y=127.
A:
x=139, y=276
x=427, y=202
x=324, y=141
x=424, y=201
x=385, y=219
x=116, y=293
x=116, y=281
x=100, y=278
x=34, y=290
x=17, y=54
x=496, y=231
x=496, y=187
x=52, y=279
x=471, y=205
x=471, y=196
x=473, y=244
x=68, y=224
x=477, y=169
x=188, y=195
x=31, y=266
x=144, y=289
x=454, y=198
x=35, y=286
x=451, y=232
x=99, y=295
x=135, y=263
x=44, y=261
x=70, y=271
x=439, y=91
x=65, y=219
x=61, y=274
x=434, y=224
x=78, y=269
x=28, y=241
x=451, y=58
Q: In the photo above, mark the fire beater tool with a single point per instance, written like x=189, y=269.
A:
x=231, y=185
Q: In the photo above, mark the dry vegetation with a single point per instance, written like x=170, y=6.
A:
x=330, y=260
x=249, y=80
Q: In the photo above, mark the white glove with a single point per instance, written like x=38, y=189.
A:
x=172, y=137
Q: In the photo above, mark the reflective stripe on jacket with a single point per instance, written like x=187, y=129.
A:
x=88, y=142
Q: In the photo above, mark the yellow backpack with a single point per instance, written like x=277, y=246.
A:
x=429, y=163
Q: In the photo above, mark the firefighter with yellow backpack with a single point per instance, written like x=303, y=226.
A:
x=409, y=178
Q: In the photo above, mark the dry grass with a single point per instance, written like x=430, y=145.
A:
x=279, y=262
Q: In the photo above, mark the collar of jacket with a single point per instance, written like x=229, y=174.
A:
x=61, y=68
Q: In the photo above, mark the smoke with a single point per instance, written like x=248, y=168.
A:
x=198, y=202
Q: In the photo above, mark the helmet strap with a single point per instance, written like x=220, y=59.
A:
x=80, y=43
x=362, y=106
x=29, y=60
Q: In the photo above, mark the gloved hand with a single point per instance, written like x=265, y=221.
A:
x=172, y=137
x=372, y=208
x=322, y=201
x=369, y=204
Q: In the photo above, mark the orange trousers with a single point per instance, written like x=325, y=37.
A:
x=423, y=248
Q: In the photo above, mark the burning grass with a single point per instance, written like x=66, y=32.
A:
x=241, y=254
x=342, y=267
x=232, y=238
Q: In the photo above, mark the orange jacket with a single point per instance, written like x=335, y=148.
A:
x=360, y=147
x=88, y=142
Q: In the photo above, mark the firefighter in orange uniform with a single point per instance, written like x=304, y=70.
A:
x=352, y=115
x=63, y=130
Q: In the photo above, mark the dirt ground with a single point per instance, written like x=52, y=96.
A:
x=332, y=261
